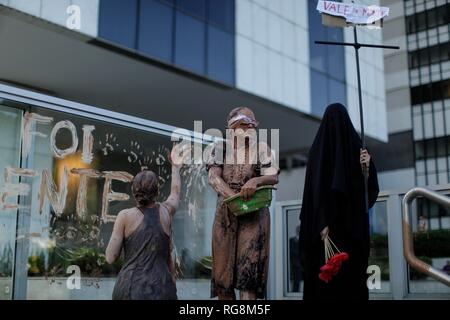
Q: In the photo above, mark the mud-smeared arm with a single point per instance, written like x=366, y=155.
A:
x=218, y=184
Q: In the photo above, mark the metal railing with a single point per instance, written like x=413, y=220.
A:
x=408, y=246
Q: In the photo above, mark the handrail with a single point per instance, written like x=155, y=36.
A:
x=408, y=247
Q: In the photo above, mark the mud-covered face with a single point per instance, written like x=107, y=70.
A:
x=242, y=118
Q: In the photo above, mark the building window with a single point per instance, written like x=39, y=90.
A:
x=425, y=20
x=118, y=20
x=196, y=35
x=327, y=64
x=190, y=43
x=155, y=29
x=429, y=55
x=430, y=92
x=220, y=60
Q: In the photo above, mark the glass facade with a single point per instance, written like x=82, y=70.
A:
x=60, y=195
x=379, y=249
x=427, y=26
x=195, y=35
x=429, y=73
x=327, y=64
x=427, y=19
x=431, y=236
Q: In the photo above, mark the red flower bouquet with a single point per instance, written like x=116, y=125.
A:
x=333, y=258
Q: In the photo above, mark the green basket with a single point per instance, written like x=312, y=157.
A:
x=262, y=198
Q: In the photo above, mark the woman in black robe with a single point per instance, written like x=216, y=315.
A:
x=334, y=205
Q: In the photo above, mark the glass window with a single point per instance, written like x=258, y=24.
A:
x=294, y=280
x=318, y=53
x=337, y=92
x=220, y=55
x=421, y=21
x=430, y=149
x=190, y=43
x=379, y=249
x=420, y=152
x=432, y=18
x=170, y=2
x=410, y=24
x=71, y=217
x=117, y=21
x=193, y=7
x=336, y=62
x=10, y=128
x=156, y=29
x=441, y=147
x=221, y=14
x=319, y=88
x=431, y=236
x=445, y=51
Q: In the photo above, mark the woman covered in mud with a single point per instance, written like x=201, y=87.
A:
x=144, y=232
x=240, y=245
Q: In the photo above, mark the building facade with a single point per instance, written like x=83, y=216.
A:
x=417, y=89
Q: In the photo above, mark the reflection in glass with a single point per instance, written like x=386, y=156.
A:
x=156, y=29
x=379, y=249
x=294, y=280
x=10, y=126
x=117, y=21
x=190, y=43
x=220, y=55
x=430, y=223
x=221, y=14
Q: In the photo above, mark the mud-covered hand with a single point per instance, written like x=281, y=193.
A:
x=364, y=159
x=248, y=189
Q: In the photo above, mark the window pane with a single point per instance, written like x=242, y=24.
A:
x=420, y=152
x=221, y=14
x=294, y=281
x=220, y=55
x=336, y=62
x=194, y=7
x=155, y=29
x=10, y=129
x=336, y=92
x=117, y=21
x=316, y=32
x=190, y=43
x=379, y=249
x=319, y=90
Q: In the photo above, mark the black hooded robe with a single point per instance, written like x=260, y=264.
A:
x=334, y=197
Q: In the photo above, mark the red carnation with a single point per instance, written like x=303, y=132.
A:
x=333, y=261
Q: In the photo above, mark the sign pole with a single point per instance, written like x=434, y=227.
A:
x=356, y=45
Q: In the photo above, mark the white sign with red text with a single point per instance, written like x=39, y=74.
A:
x=353, y=13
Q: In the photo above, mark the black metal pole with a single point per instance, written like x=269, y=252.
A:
x=358, y=72
x=361, y=117
x=360, y=45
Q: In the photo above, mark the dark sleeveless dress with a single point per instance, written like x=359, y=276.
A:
x=145, y=274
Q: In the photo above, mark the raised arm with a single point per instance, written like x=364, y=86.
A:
x=173, y=200
x=115, y=243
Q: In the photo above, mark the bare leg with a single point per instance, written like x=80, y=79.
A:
x=247, y=295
